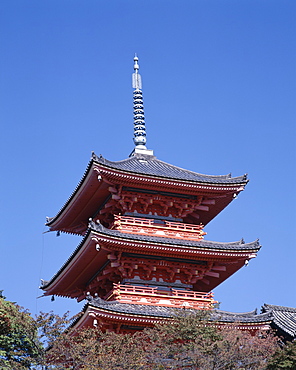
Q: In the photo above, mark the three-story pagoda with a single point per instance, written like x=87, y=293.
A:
x=143, y=251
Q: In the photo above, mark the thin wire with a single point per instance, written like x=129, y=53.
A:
x=40, y=270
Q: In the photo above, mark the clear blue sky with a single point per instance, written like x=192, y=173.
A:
x=219, y=92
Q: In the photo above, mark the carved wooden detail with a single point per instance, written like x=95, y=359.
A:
x=121, y=267
x=122, y=201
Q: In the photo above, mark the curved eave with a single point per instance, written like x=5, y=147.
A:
x=151, y=166
x=140, y=315
x=73, y=277
x=108, y=316
x=284, y=319
x=92, y=191
x=165, y=246
x=83, y=263
x=166, y=183
x=52, y=222
x=83, y=203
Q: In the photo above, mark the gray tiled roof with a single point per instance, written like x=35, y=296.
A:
x=150, y=165
x=203, y=244
x=245, y=317
x=132, y=309
x=167, y=312
x=284, y=318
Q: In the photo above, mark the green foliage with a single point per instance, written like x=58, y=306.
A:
x=51, y=326
x=91, y=349
x=188, y=326
x=190, y=341
x=284, y=359
x=19, y=344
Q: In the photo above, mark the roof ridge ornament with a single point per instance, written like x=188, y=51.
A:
x=139, y=118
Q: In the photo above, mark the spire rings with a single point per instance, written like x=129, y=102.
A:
x=139, y=117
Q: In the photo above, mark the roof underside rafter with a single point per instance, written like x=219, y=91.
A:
x=105, y=183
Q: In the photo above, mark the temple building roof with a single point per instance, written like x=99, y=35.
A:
x=91, y=255
x=283, y=319
x=201, y=244
x=167, y=312
x=149, y=165
x=142, y=172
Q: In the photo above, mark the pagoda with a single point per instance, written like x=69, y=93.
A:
x=143, y=253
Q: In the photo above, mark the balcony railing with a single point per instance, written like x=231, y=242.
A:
x=162, y=297
x=162, y=228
